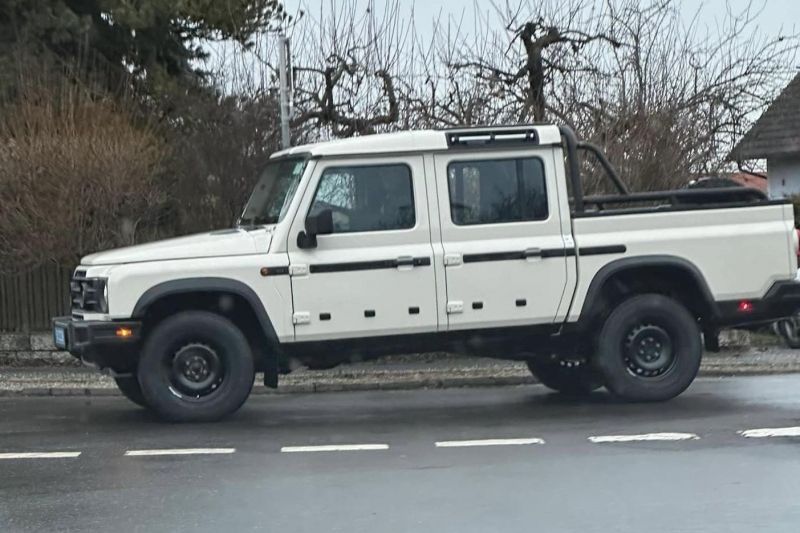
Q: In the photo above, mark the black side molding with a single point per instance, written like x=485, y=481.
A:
x=604, y=250
x=545, y=253
x=369, y=265
x=493, y=256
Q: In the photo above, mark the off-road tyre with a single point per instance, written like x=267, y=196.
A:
x=129, y=387
x=572, y=378
x=649, y=349
x=196, y=366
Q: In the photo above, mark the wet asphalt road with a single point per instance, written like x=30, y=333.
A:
x=559, y=480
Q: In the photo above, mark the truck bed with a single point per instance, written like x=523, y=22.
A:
x=740, y=247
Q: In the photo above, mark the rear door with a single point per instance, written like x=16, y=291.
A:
x=373, y=276
x=504, y=254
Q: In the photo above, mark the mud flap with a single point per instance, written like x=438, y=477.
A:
x=271, y=369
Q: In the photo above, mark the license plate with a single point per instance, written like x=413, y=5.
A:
x=60, y=337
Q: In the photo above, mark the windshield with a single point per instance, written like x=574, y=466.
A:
x=273, y=192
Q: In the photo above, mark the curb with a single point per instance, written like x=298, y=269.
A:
x=393, y=385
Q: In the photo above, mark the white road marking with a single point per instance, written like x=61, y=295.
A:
x=644, y=437
x=180, y=451
x=335, y=448
x=487, y=442
x=40, y=455
x=771, y=432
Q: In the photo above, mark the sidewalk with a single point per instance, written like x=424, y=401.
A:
x=393, y=373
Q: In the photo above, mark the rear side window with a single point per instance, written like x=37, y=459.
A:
x=366, y=198
x=497, y=191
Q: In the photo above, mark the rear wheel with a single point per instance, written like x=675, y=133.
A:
x=129, y=387
x=649, y=349
x=196, y=366
x=574, y=378
x=789, y=329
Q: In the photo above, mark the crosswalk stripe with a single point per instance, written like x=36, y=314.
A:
x=488, y=442
x=771, y=432
x=643, y=437
x=40, y=455
x=335, y=448
x=180, y=451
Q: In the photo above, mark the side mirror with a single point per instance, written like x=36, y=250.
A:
x=319, y=224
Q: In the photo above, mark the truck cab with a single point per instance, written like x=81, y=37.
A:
x=474, y=240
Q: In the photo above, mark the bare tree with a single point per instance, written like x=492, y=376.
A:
x=666, y=98
x=346, y=67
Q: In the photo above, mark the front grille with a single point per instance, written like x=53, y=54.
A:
x=87, y=294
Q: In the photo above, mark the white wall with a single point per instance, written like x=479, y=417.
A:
x=784, y=176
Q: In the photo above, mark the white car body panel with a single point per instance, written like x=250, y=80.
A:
x=127, y=283
x=479, y=293
x=739, y=251
x=347, y=295
x=221, y=243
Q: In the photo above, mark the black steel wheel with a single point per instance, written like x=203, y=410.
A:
x=196, y=370
x=649, y=349
x=196, y=366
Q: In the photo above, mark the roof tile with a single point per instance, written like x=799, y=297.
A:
x=777, y=131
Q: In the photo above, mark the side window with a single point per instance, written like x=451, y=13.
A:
x=497, y=191
x=368, y=198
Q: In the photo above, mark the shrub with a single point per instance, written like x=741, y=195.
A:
x=219, y=147
x=77, y=172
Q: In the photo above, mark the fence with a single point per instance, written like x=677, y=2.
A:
x=29, y=300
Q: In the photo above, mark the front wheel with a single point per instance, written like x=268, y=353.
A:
x=129, y=387
x=196, y=366
x=573, y=378
x=649, y=349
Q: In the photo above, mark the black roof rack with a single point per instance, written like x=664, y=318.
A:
x=483, y=136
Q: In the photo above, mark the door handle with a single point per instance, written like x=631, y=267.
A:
x=405, y=261
x=532, y=252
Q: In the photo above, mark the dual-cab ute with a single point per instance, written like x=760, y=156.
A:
x=475, y=241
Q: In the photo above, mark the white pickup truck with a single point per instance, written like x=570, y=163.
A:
x=476, y=241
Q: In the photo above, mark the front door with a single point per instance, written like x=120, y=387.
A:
x=373, y=276
x=504, y=254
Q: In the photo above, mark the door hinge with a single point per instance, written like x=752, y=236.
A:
x=298, y=270
x=303, y=317
x=453, y=260
x=453, y=308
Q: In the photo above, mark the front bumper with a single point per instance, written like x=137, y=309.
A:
x=781, y=300
x=107, y=344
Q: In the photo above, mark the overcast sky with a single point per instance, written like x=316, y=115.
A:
x=774, y=16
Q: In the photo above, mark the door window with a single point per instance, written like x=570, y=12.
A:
x=497, y=191
x=366, y=198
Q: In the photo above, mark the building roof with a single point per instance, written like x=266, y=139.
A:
x=777, y=131
x=412, y=141
x=750, y=180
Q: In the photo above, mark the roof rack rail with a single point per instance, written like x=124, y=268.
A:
x=482, y=136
